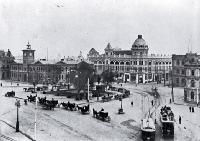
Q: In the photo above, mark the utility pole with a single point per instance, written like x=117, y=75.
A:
x=164, y=76
x=88, y=95
x=35, y=123
x=172, y=91
x=197, y=96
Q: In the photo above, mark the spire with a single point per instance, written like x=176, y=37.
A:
x=108, y=47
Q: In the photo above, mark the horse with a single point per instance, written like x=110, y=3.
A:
x=31, y=98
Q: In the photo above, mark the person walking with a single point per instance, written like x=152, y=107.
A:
x=179, y=119
x=132, y=103
x=152, y=102
x=190, y=108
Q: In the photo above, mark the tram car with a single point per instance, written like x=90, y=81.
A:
x=148, y=129
x=167, y=121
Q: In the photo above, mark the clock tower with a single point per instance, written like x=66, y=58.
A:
x=28, y=55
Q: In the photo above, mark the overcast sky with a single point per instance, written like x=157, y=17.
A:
x=67, y=27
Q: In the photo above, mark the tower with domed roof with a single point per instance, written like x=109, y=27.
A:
x=28, y=55
x=139, y=47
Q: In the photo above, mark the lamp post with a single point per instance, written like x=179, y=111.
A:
x=17, y=104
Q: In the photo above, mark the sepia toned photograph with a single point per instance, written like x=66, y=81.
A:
x=99, y=70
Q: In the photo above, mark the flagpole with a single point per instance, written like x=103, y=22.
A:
x=88, y=90
x=35, y=129
x=197, y=96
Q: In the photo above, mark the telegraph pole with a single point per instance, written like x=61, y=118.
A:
x=88, y=95
x=35, y=123
x=172, y=91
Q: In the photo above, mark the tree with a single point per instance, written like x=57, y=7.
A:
x=84, y=71
x=108, y=76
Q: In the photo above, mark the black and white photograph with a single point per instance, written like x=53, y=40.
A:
x=99, y=70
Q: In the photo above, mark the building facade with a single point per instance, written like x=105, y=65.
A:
x=69, y=66
x=133, y=65
x=43, y=71
x=6, y=59
x=35, y=71
x=190, y=79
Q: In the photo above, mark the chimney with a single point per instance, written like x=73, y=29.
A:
x=139, y=36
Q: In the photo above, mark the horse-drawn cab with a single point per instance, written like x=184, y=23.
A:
x=84, y=109
x=69, y=106
x=10, y=94
x=50, y=104
x=30, y=89
x=107, y=98
x=101, y=115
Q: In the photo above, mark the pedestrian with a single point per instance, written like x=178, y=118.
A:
x=25, y=102
x=179, y=119
x=1, y=84
x=170, y=101
x=132, y=103
x=190, y=108
x=152, y=102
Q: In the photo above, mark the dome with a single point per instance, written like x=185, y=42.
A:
x=139, y=42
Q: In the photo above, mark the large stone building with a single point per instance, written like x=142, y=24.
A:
x=6, y=58
x=38, y=71
x=186, y=73
x=134, y=64
x=43, y=71
x=69, y=66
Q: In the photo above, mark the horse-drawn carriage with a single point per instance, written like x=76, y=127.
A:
x=10, y=94
x=84, y=109
x=107, y=98
x=30, y=89
x=48, y=104
x=101, y=115
x=69, y=106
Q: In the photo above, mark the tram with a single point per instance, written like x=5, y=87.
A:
x=167, y=121
x=148, y=129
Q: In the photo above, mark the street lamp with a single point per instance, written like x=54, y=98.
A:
x=17, y=104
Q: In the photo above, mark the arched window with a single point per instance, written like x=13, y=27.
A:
x=192, y=73
x=192, y=83
x=192, y=95
x=112, y=63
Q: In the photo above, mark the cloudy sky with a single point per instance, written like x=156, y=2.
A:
x=67, y=27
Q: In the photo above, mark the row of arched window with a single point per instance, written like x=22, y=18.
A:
x=132, y=62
